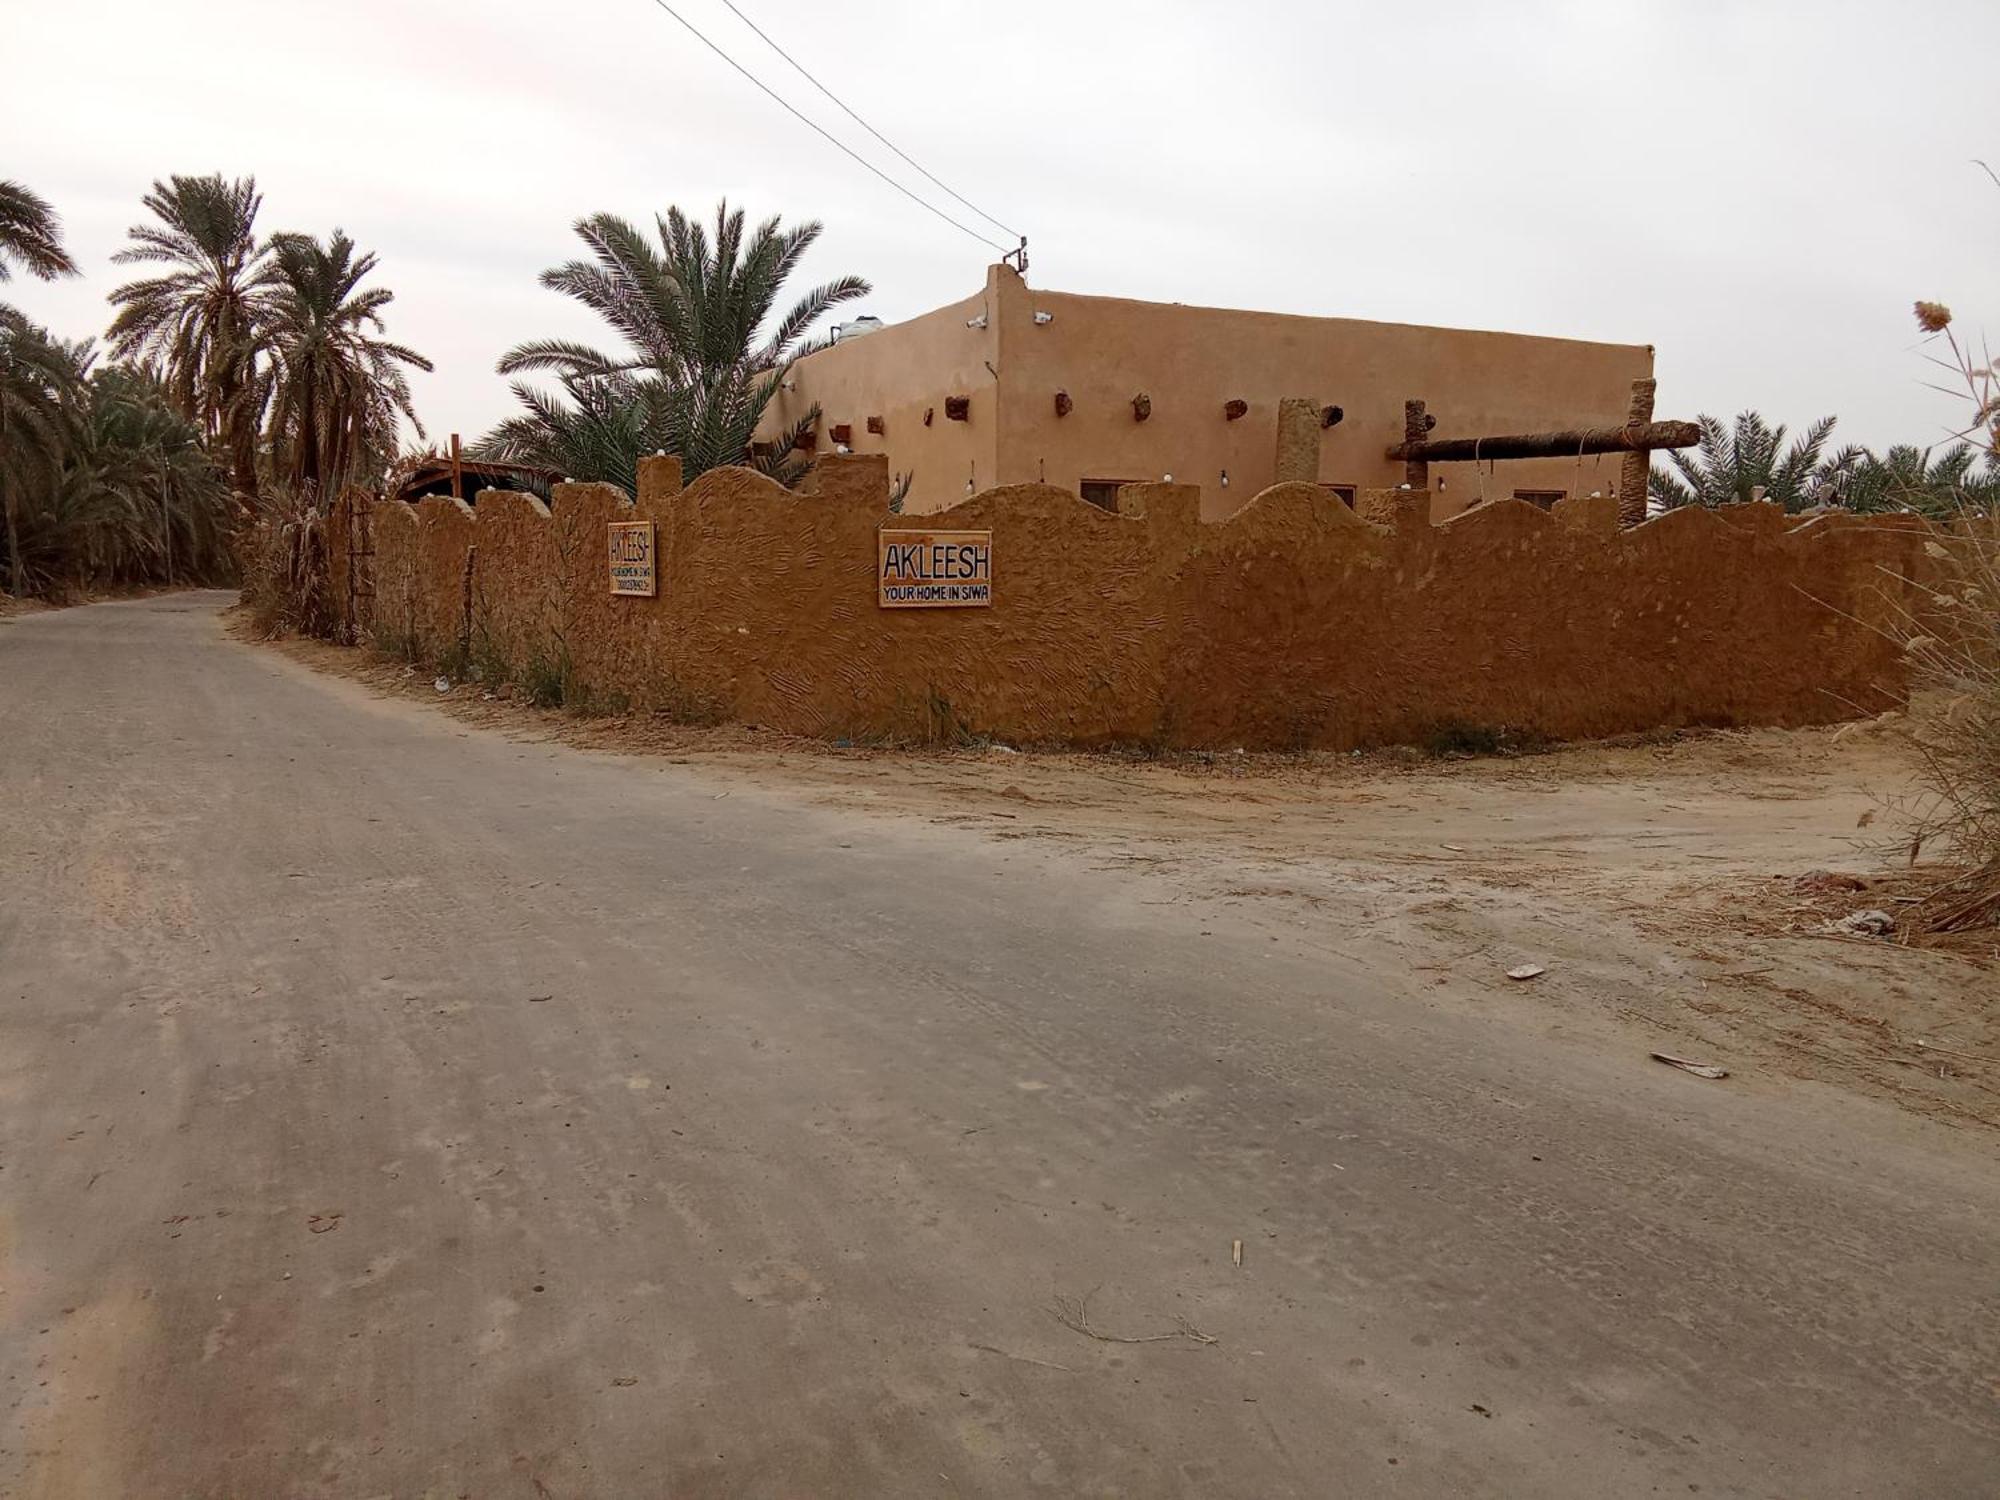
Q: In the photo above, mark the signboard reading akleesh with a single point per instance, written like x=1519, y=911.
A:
x=934, y=569
x=632, y=559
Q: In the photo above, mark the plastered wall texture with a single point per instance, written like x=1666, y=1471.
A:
x=1294, y=622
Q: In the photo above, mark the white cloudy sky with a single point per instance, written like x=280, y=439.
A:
x=1759, y=189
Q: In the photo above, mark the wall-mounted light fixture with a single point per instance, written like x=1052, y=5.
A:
x=1043, y=319
x=978, y=322
x=1225, y=479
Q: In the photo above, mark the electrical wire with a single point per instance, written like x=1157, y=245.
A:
x=801, y=67
x=822, y=131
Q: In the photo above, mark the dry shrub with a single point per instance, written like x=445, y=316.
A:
x=1954, y=651
x=286, y=583
x=1952, y=638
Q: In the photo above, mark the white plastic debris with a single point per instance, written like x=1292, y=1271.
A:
x=1869, y=923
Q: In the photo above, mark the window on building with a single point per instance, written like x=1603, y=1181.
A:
x=1543, y=498
x=1344, y=493
x=1103, y=493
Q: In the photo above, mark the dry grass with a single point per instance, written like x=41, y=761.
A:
x=1952, y=638
x=286, y=582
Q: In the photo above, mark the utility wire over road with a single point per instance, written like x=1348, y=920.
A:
x=827, y=135
x=809, y=78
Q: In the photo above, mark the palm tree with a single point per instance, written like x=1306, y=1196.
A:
x=334, y=387
x=31, y=233
x=1908, y=478
x=598, y=429
x=199, y=320
x=38, y=383
x=102, y=477
x=703, y=356
x=1731, y=463
x=141, y=496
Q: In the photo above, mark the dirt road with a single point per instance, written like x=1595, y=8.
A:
x=392, y=1107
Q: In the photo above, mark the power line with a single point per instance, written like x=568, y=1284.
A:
x=821, y=130
x=801, y=67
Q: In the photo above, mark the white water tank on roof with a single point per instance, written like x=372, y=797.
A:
x=866, y=323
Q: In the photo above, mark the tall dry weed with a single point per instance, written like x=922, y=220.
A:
x=1952, y=639
x=286, y=581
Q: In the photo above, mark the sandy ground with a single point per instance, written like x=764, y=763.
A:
x=1670, y=889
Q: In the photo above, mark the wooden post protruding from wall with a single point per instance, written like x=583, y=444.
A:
x=1233, y=410
x=1142, y=407
x=1297, y=458
x=1064, y=406
x=1633, y=471
x=1417, y=425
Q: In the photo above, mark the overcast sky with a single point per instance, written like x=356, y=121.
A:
x=1759, y=190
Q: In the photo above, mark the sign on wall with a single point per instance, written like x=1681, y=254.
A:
x=934, y=569
x=633, y=557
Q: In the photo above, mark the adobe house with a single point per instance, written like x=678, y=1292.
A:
x=1016, y=384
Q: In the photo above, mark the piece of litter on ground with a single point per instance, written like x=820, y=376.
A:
x=1700, y=1070
x=1869, y=923
x=1454, y=848
x=1525, y=971
x=1236, y=1252
x=538, y=999
x=443, y=684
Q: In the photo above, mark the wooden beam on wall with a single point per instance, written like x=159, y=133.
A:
x=1567, y=444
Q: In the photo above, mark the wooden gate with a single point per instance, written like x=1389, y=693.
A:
x=351, y=564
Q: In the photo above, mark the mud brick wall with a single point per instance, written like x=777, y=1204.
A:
x=1295, y=622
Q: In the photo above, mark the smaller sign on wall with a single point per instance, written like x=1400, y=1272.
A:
x=934, y=569
x=633, y=558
